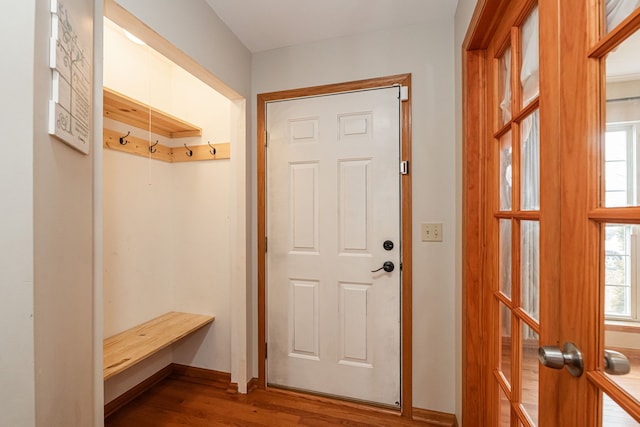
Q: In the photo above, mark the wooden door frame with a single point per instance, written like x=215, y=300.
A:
x=475, y=369
x=406, y=202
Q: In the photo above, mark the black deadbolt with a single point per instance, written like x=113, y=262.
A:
x=387, y=245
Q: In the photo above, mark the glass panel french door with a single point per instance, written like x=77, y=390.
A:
x=515, y=148
x=561, y=209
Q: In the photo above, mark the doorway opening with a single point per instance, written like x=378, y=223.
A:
x=171, y=223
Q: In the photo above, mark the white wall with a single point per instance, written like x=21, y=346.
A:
x=462, y=18
x=17, y=402
x=426, y=51
x=166, y=226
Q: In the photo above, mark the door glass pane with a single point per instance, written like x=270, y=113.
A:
x=505, y=342
x=530, y=368
x=621, y=153
x=621, y=304
x=505, y=410
x=505, y=172
x=614, y=415
x=617, y=10
x=530, y=59
x=530, y=265
x=530, y=137
x=505, y=257
x=504, y=86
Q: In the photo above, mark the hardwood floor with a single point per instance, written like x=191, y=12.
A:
x=186, y=401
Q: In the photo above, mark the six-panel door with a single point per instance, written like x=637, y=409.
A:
x=333, y=199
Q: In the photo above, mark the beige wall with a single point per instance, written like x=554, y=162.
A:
x=46, y=307
x=17, y=402
x=63, y=230
x=426, y=51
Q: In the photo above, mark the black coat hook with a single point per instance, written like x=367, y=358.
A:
x=151, y=149
x=123, y=141
x=213, y=149
x=189, y=151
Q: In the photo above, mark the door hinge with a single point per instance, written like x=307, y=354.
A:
x=265, y=350
x=266, y=243
x=266, y=139
x=404, y=167
x=404, y=93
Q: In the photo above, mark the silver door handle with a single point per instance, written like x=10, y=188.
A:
x=570, y=356
x=616, y=363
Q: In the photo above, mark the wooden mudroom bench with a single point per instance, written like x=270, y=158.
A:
x=129, y=347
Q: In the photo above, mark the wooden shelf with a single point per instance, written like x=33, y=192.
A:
x=127, y=348
x=126, y=110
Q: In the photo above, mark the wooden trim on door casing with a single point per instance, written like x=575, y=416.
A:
x=474, y=370
x=474, y=132
x=406, y=201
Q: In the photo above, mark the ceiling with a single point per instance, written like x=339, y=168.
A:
x=270, y=24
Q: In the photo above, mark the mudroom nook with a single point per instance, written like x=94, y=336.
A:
x=167, y=179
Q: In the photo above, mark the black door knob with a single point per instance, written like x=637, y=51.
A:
x=387, y=266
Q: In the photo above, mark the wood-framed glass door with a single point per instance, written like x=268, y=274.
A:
x=551, y=212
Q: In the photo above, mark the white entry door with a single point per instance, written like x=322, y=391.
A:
x=333, y=200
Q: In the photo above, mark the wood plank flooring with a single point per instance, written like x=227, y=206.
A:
x=187, y=401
